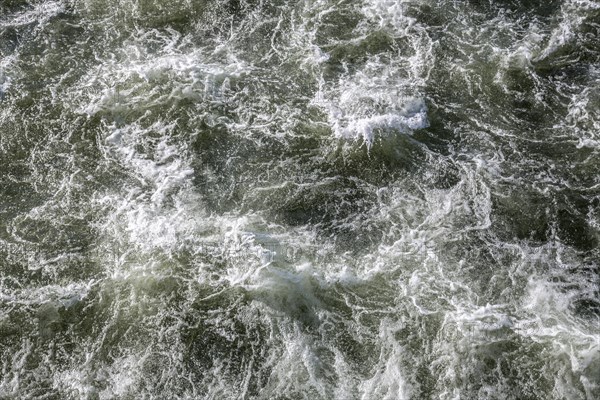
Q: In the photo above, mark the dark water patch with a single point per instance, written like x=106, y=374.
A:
x=8, y=6
x=354, y=54
x=527, y=8
x=329, y=201
x=524, y=215
x=337, y=25
x=574, y=230
x=9, y=41
x=234, y=342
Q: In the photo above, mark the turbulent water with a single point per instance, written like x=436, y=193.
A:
x=311, y=199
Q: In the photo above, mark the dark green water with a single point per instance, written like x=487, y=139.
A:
x=238, y=199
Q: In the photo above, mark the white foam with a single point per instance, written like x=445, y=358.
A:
x=4, y=84
x=65, y=296
x=583, y=118
x=351, y=115
x=142, y=80
x=383, y=93
x=389, y=378
x=40, y=13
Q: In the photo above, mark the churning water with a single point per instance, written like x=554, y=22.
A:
x=310, y=199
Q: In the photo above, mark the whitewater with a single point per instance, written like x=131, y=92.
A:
x=310, y=199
